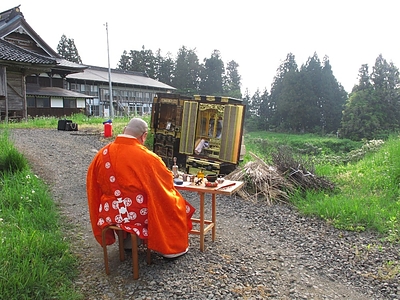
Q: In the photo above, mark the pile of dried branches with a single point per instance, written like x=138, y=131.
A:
x=299, y=172
x=261, y=182
x=272, y=184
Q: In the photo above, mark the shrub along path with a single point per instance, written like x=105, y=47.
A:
x=261, y=251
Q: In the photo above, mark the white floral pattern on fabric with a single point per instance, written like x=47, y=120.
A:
x=118, y=219
x=139, y=199
x=128, y=213
x=132, y=215
x=128, y=201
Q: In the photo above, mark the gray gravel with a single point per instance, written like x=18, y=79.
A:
x=260, y=251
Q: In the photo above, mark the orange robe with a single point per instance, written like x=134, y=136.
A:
x=140, y=175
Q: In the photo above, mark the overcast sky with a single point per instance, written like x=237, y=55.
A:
x=257, y=34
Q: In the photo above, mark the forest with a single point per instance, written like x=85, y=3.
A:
x=302, y=99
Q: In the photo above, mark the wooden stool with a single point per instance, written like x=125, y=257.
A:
x=134, y=238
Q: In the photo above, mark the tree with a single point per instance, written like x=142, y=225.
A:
x=289, y=65
x=372, y=110
x=66, y=49
x=246, y=102
x=124, y=62
x=211, y=77
x=265, y=111
x=187, y=70
x=312, y=93
x=294, y=109
x=305, y=100
x=251, y=118
x=364, y=82
x=232, y=81
x=332, y=100
x=139, y=61
x=359, y=118
x=165, y=68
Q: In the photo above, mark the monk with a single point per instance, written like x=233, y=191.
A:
x=130, y=186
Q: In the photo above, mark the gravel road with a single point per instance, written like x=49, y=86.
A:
x=260, y=251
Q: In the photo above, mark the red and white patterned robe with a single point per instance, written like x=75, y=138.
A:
x=130, y=186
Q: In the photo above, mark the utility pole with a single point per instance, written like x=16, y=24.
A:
x=109, y=77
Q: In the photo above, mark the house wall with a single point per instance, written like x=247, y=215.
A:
x=15, y=94
x=53, y=112
x=42, y=106
x=3, y=82
x=127, y=99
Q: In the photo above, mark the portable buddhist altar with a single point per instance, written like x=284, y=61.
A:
x=202, y=132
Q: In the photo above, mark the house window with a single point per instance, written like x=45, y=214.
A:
x=42, y=102
x=69, y=103
x=30, y=101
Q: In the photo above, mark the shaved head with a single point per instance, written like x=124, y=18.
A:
x=136, y=127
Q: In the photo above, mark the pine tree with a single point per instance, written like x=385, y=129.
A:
x=232, y=80
x=66, y=49
x=187, y=70
x=211, y=77
x=289, y=65
x=165, y=67
x=124, y=62
x=332, y=99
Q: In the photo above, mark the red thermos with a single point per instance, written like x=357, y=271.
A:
x=107, y=129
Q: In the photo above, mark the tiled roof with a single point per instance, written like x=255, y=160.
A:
x=9, y=14
x=10, y=52
x=32, y=89
x=13, y=20
x=98, y=74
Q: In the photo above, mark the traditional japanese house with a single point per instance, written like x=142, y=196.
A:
x=35, y=73
x=61, y=88
x=15, y=65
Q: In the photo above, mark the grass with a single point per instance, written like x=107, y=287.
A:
x=369, y=197
x=84, y=123
x=265, y=143
x=366, y=173
x=35, y=260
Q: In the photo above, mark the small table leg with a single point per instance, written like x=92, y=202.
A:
x=214, y=216
x=201, y=222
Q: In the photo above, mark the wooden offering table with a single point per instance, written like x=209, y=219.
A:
x=227, y=188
